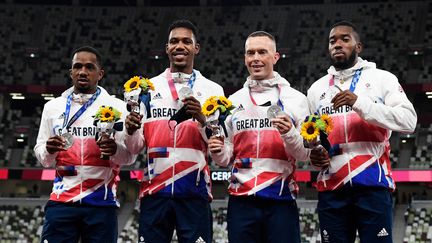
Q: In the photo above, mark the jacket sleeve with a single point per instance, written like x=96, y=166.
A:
x=395, y=112
x=135, y=143
x=45, y=132
x=292, y=139
x=123, y=155
x=224, y=157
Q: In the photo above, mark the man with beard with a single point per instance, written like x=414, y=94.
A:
x=83, y=204
x=365, y=105
x=175, y=191
x=263, y=150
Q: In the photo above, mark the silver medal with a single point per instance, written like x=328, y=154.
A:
x=185, y=92
x=333, y=91
x=273, y=111
x=69, y=140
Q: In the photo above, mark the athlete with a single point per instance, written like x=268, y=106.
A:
x=365, y=104
x=176, y=188
x=83, y=201
x=263, y=150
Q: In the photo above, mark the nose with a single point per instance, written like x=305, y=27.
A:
x=256, y=56
x=337, y=44
x=179, y=46
x=83, y=71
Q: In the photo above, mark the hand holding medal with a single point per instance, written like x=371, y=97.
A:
x=62, y=139
x=182, y=114
x=279, y=119
x=185, y=92
x=274, y=111
x=68, y=140
x=105, y=121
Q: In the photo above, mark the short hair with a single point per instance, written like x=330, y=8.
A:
x=91, y=50
x=349, y=24
x=184, y=23
x=263, y=33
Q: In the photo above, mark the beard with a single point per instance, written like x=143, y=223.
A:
x=344, y=64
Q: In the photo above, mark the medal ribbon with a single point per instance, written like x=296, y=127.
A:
x=335, y=148
x=171, y=85
x=354, y=81
x=279, y=102
x=83, y=108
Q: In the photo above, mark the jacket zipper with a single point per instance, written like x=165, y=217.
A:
x=81, y=167
x=257, y=154
x=346, y=142
x=173, y=160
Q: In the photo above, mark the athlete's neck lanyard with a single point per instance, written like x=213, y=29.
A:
x=354, y=81
x=83, y=108
x=171, y=85
x=279, y=102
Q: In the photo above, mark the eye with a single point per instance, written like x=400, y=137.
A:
x=188, y=41
x=90, y=67
x=77, y=66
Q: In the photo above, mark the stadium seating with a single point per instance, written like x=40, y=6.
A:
x=421, y=156
x=20, y=224
x=418, y=225
x=128, y=36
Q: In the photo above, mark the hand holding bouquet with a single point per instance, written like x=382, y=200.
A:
x=106, y=123
x=136, y=91
x=315, y=130
x=216, y=109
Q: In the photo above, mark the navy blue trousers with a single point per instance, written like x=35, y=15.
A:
x=344, y=211
x=190, y=217
x=252, y=219
x=70, y=222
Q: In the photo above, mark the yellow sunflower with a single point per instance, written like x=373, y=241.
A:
x=147, y=84
x=210, y=106
x=329, y=123
x=106, y=114
x=309, y=131
x=132, y=84
x=225, y=102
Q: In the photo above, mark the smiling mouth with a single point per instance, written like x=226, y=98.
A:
x=180, y=54
x=256, y=67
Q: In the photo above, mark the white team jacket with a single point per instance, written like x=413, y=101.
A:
x=81, y=176
x=263, y=161
x=362, y=132
x=176, y=155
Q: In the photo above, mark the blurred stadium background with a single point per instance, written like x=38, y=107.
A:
x=37, y=37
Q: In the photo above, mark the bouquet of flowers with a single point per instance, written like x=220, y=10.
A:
x=105, y=120
x=216, y=109
x=136, y=91
x=315, y=130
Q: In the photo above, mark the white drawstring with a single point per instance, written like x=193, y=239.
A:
x=198, y=176
x=106, y=191
x=281, y=189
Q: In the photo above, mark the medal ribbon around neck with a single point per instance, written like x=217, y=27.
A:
x=354, y=81
x=171, y=85
x=83, y=108
x=279, y=102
